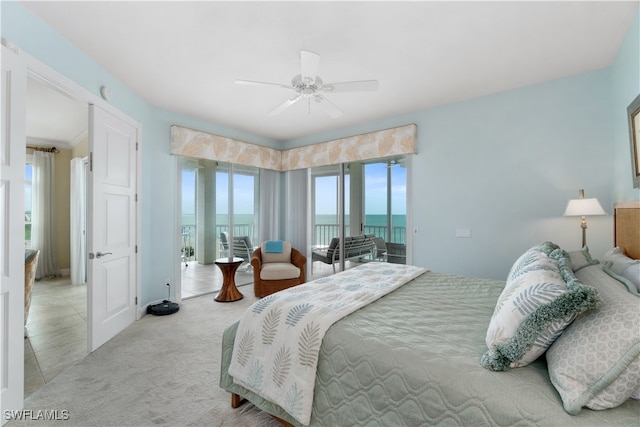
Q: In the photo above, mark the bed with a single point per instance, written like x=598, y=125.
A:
x=413, y=356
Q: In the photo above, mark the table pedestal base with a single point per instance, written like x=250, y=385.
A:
x=228, y=292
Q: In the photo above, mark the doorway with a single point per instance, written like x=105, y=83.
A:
x=56, y=329
x=102, y=121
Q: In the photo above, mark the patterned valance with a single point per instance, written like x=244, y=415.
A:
x=203, y=145
x=373, y=145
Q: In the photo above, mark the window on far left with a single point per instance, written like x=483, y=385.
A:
x=27, y=205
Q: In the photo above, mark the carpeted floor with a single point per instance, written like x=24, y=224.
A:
x=160, y=371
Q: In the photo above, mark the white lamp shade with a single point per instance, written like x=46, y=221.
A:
x=584, y=207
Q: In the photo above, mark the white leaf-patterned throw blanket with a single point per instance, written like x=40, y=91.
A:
x=275, y=353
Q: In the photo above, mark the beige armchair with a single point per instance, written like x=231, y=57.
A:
x=276, y=268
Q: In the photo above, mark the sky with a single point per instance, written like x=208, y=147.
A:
x=375, y=192
x=27, y=189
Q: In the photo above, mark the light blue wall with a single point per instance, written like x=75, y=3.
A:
x=625, y=87
x=502, y=165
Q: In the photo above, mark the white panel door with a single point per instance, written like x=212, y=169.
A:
x=111, y=242
x=12, y=162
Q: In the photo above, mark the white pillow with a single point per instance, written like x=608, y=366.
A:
x=595, y=363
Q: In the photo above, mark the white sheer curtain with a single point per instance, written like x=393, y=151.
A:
x=78, y=214
x=297, y=209
x=42, y=205
x=269, y=228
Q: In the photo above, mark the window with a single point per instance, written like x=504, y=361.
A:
x=28, y=170
x=207, y=204
x=244, y=200
x=325, y=205
x=375, y=203
x=385, y=200
x=188, y=211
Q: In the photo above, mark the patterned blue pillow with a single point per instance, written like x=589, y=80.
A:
x=540, y=298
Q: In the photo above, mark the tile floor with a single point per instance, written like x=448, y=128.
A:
x=56, y=330
x=201, y=279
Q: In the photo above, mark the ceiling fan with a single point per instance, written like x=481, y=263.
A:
x=308, y=85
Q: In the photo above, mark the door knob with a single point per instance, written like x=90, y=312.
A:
x=101, y=254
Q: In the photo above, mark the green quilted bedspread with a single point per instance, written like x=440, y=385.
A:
x=412, y=358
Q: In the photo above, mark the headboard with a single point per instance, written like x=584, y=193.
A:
x=626, y=227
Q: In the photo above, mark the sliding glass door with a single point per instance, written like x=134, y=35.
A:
x=218, y=199
x=326, y=205
x=385, y=201
x=188, y=206
x=237, y=204
x=374, y=202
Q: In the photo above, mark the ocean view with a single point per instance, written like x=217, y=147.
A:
x=381, y=220
x=373, y=224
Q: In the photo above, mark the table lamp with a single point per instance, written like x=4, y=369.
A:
x=583, y=207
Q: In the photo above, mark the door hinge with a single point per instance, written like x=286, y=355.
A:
x=136, y=248
x=136, y=300
x=136, y=197
x=136, y=146
x=91, y=161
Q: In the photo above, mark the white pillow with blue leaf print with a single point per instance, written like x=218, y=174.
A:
x=540, y=298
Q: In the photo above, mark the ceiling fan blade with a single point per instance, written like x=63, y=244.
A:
x=286, y=104
x=328, y=106
x=310, y=62
x=254, y=83
x=355, y=86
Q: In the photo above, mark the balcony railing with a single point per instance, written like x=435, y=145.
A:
x=190, y=239
x=323, y=235
x=325, y=232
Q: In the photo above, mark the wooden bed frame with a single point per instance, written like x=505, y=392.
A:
x=626, y=227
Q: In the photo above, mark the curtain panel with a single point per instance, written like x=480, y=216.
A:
x=78, y=214
x=297, y=217
x=269, y=218
x=42, y=220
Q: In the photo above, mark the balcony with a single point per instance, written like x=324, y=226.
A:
x=323, y=235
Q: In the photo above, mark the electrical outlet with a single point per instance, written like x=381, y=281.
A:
x=463, y=232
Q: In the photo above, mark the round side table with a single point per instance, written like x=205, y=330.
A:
x=228, y=292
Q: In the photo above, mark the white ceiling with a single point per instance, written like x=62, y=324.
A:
x=184, y=56
x=54, y=119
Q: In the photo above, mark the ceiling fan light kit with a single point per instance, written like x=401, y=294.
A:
x=308, y=85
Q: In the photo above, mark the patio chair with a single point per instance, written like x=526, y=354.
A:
x=243, y=248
